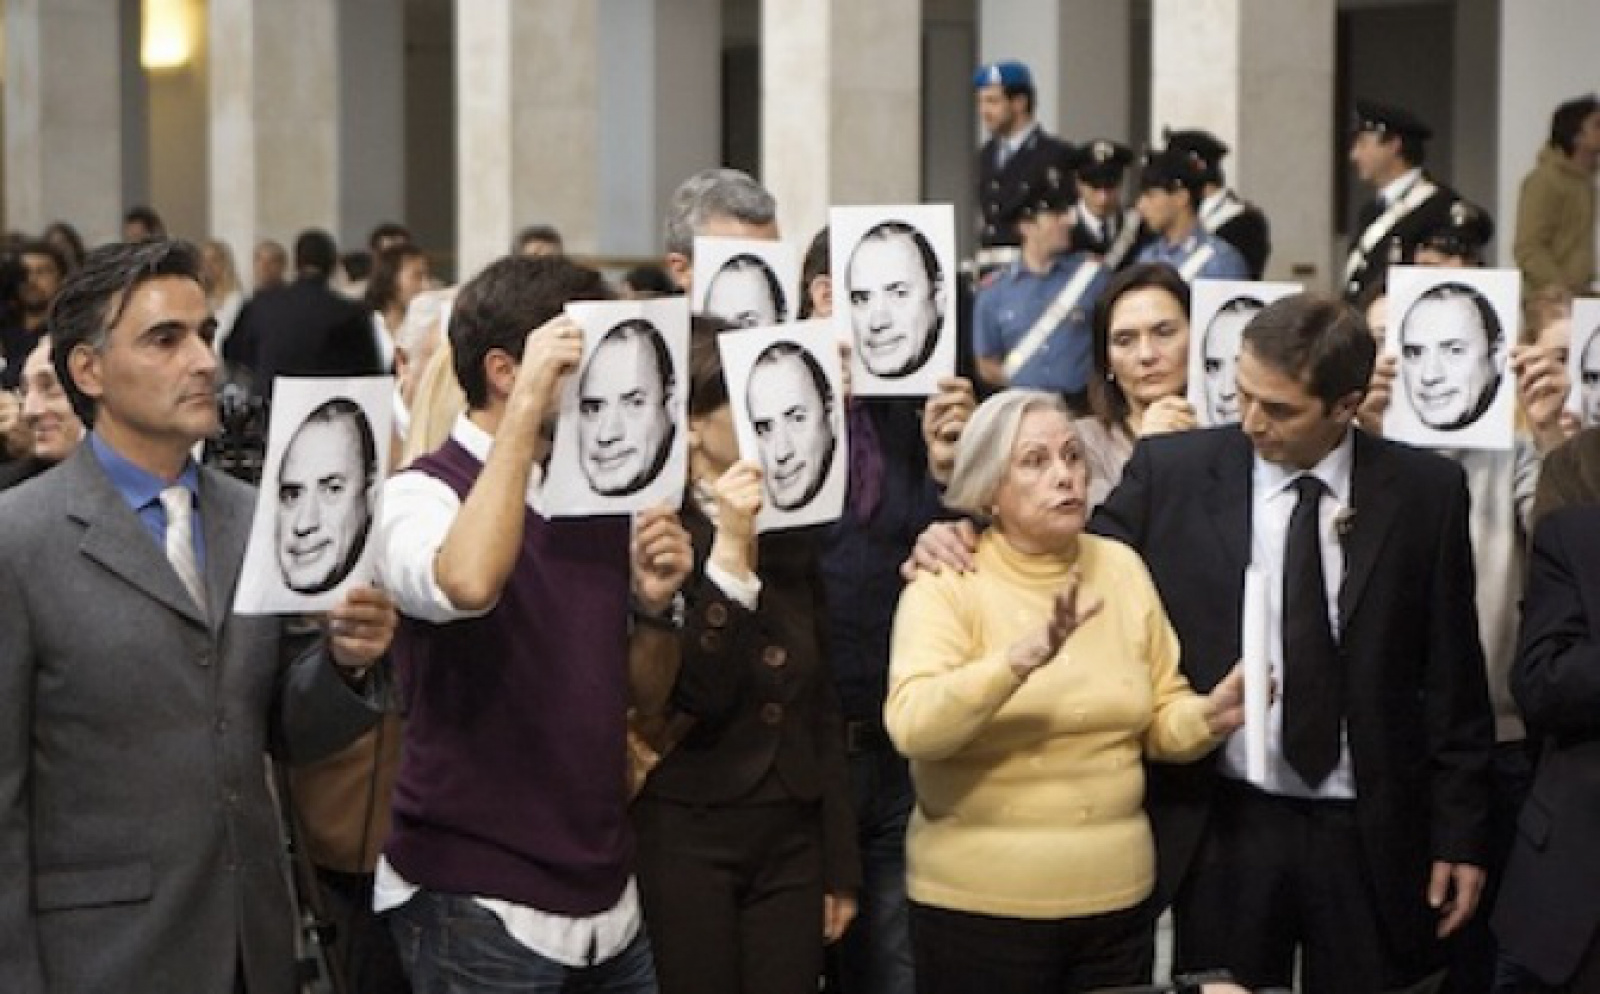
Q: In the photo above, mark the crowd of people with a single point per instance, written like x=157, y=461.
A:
x=978, y=733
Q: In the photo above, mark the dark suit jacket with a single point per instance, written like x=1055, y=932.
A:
x=1003, y=190
x=139, y=845
x=1549, y=908
x=1417, y=708
x=303, y=329
x=757, y=683
x=1408, y=231
x=1248, y=232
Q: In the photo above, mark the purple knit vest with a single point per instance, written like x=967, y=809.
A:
x=512, y=780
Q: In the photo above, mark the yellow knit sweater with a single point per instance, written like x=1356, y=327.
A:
x=1030, y=795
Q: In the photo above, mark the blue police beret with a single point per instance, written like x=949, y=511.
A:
x=1008, y=74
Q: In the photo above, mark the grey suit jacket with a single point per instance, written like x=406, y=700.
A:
x=139, y=846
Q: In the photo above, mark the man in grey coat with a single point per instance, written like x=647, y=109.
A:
x=139, y=844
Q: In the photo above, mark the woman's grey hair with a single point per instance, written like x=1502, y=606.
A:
x=984, y=452
x=715, y=193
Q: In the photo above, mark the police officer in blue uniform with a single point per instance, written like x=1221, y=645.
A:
x=1171, y=187
x=1222, y=211
x=1030, y=325
x=1013, y=160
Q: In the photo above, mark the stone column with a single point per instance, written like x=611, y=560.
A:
x=840, y=107
x=660, y=110
x=1546, y=58
x=275, y=120
x=372, y=137
x=527, y=126
x=1078, y=52
x=1259, y=75
x=63, y=115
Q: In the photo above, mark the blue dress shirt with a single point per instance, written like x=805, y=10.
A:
x=142, y=490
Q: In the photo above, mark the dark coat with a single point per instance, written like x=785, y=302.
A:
x=1548, y=913
x=139, y=842
x=758, y=685
x=1003, y=190
x=1404, y=237
x=303, y=329
x=1417, y=708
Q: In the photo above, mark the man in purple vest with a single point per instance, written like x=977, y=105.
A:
x=510, y=851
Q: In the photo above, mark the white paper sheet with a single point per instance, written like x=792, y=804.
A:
x=1257, y=674
x=327, y=450
x=620, y=443
x=788, y=381
x=1454, y=389
x=1218, y=312
x=894, y=294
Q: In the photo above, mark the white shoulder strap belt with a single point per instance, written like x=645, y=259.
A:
x=1052, y=317
x=1125, y=238
x=1385, y=222
x=1228, y=208
x=1191, y=266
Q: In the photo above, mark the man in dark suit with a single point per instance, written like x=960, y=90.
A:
x=1362, y=842
x=1547, y=918
x=1223, y=212
x=305, y=329
x=1013, y=160
x=139, y=841
x=1388, y=150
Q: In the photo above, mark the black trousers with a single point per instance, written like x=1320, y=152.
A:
x=958, y=952
x=1277, y=874
x=733, y=896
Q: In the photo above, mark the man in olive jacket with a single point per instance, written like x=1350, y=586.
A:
x=1556, y=208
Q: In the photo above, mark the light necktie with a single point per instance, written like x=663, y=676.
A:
x=1313, y=688
x=178, y=503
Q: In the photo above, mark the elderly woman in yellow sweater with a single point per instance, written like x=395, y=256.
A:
x=1026, y=693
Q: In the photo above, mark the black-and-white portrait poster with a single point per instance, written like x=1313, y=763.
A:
x=1583, y=361
x=1451, y=331
x=785, y=385
x=327, y=447
x=894, y=296
x=1218, y=312
x=620, y=443
x=746, y=282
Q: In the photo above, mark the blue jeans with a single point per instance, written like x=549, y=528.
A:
x=874, y=957
x=453, y=945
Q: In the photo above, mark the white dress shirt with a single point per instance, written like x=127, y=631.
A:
x=1398, y=187
x=417, y=512
x=1272, y=501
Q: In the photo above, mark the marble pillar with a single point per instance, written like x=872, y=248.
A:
x=660, y=109
x=840, y=107
x=527, y=127
x=1079, y=54
x=275, y=123
x=64, y=148
x=372, y=138
x=1259, y=75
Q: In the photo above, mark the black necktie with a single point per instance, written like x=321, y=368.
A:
x=1312, y=683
